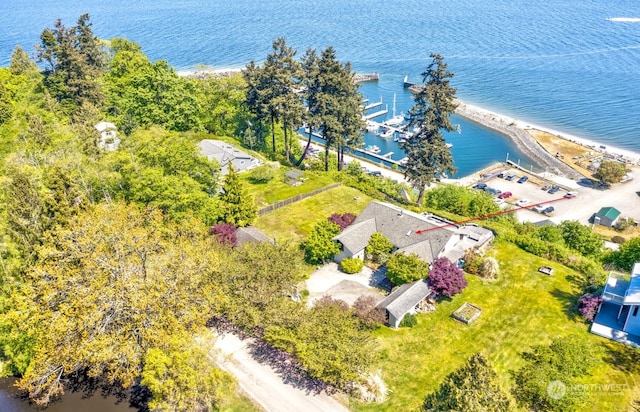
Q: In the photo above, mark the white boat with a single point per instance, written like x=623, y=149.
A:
x=449, y=145
x=386, y=134
x=372, y=127
x=372, y=149
x=403, y=161
x=396, y=120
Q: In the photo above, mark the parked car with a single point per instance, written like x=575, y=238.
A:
x=546, y=187
x=480, y=186
x=502, y=174
x=523, y=179
x=538, y=208
x=499, y=202
x=493, y=192
x=511, y=176
x=553, y=189
x=570, y=195
x=522, y=202
x=548, y=210
x=375, y=173
x=505, y=195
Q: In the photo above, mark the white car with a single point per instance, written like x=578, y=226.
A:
x=522, y=202
x=499, y=202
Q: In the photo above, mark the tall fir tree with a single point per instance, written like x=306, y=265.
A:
x=237, y=203
x=472, y=388
x=428, y=157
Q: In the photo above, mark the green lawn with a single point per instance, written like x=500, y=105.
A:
x=278, y=189
x=294, y=222
x=521, y=309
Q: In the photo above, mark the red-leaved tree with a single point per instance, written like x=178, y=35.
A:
x=445, y=278
x=342, y=220
x=588, y=306
x=225, y=234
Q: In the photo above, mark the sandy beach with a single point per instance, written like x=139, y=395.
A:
x=519, y=132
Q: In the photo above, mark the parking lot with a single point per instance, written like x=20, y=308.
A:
x=587, y=201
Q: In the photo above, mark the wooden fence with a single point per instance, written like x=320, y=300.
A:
x=294, y=199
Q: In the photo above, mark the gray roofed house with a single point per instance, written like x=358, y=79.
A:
x=403, y=300
x=251, y=234
x=427, y=236
x=225, y=153
x=618, y=316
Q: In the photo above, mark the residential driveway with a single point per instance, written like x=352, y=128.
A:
x=265, y=385
x=329, y=280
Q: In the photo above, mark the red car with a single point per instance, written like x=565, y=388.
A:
x=505, y=195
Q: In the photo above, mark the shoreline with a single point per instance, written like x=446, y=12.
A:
x=518, y=131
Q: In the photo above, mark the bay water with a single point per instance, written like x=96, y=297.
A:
x=570, y=66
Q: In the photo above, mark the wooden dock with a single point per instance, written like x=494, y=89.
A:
x=376, y=114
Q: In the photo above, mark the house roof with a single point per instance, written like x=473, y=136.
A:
x=356, y=236
x=102, y=126
x=224, y=153
x=251, y=234
x=405, y=298
x=401, y=227
x=632, y=296
x=610, y=213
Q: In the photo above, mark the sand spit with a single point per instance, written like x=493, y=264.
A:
x=525, y=142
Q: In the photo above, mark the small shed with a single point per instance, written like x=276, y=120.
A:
x=294, y=177
x=607, y=216
x=403, y=300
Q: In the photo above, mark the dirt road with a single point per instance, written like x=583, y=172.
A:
x=264, y=385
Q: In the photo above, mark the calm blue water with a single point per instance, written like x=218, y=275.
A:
x=557, y=63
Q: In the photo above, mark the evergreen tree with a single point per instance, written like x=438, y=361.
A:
x=310, y=81
x=74, y=63
x=238, y=207
x=427, y=152
x=472, y=388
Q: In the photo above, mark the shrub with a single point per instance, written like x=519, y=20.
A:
x=261, y=174
x=409, y=320
x=342, y=220
x=379, y=248
x=618, y=239
x=365, y=308
x=319, y=247
x=490, y=269
x=588, y=306
x=351, y=265
x=225, y=234
x=403, y=268
x=445, y=278
x=472, y=261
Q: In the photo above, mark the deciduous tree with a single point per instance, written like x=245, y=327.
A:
x=403, y=268
x=111, y=285
x=319, y=247
x=379, y=248
x=445, y=278
x=610, y=171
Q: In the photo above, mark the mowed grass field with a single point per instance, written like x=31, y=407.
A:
x=521, y=309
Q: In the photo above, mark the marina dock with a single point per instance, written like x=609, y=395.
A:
x=376, y=114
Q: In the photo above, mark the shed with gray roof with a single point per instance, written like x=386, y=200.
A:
x=403, y=300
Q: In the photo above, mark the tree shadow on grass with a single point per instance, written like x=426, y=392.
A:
x=569, y=303
x=288, y=368
x=622, y=357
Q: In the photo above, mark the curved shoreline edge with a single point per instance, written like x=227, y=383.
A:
x=518, y=133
